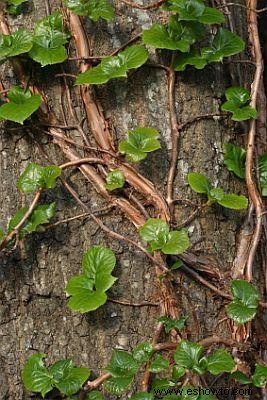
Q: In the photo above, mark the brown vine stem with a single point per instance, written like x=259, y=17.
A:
x=91, y=385
x=130, y=304
x=100, y=129
x=86, y=160
x=254, y=195
x=15, y=231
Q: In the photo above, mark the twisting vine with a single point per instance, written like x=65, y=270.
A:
x=109, y=169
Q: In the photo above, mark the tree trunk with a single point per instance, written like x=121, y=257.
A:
x=34, y=312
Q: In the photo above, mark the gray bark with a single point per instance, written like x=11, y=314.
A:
x=34, y=316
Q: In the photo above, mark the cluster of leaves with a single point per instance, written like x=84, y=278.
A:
x=33, y=178
x=15, y=6
x=88, y=290
x=244, y=306
x=157, y=233
x=45, y=45
x=139, y=142
x=63, y=375
x=93, y=9
x=123, y=366
x=170, y=323
x=114, y=66
x=36, y=176
x=237, y=103
x=115, y=180
x=22, y=104
x=200, y=184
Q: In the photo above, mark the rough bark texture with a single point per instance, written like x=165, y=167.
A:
x=34, y=316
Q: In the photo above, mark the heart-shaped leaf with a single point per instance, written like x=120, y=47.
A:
x=177, y=242
x=35, y=176
x=155, y=231
x=15, y=44
x=93, y=9
x=114, y=66
x=240, y=377
x=159, y=364
x=177, y=35
x=243, y=308
x=122, y=364
x=220, y=361
x=36, y=376
x=237, y=103
x=49, y=40
x=88, y=289
x=68, y=379
x=142, y=352
x=194, y=10
x=234, y=159
x=139, y=142
x=22, y=104
x=224, y=44
x=194, y=58
x=188, y=355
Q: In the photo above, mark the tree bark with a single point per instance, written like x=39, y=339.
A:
x=34, y=313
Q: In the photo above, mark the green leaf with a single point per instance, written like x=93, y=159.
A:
x=162, y=385
x=93, y=9
x=263, y=173
x=206, y=397
x=36, y=376
x=142, y=352
x=178, y=264
x=198, y=182
x=98, y=263
x=194, y=10
x=88, y=289
x=72, y=380
x=188, y=355
x=94, y=395
x=174, y=36
x=259, y=378
x=234, y=159
x=225, y=44
x=243, y=308
x=240, y=377
x=17, y=43
x=118, y=385
x=50, y=175
x=237, y=99
x=122, y=364
x=155, y=231
x=177, y=243
x=35, y=176
x=220, y=361
x=31, y=179
x=115, y=180
x=189, y=393
x=114, y=66
x=193, y=58
x=139, y=142
x=49, y=40
x=15, y=220
x=170, y=323
x=177, y=372
x=41, y=215
x=158, y=364
x=233, y=201
x=142, y=396
x=21, y=106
